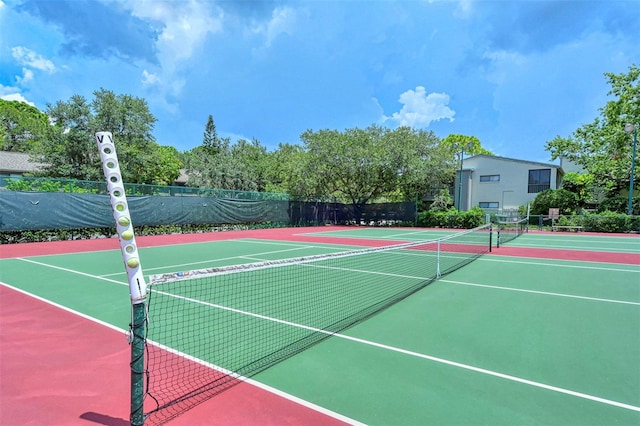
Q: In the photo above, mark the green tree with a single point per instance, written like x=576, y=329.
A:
x=602, y=147
x=251, y=162
x=165, y=165
x=206, y=166
x=210, y=141
x=22, y=126
x=424, y=162
x=364, y=165
x=562, y=199
x=285, y=172
x=441, y=202
x=70, y=149
x=216, y=163
x=353, y=166
x=208, y=170
x=470, y=144
x=583, y=185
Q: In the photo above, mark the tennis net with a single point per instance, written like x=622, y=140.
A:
x=510, y=230
x=208, y=329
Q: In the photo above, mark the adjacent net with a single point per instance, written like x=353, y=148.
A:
x=210, y=328
x=510, y=230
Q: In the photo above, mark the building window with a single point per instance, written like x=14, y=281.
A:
x=490, y=178
x=488, y=204
x=539, y=180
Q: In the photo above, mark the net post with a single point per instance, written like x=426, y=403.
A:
x=490, y=236
x=438, y=274
x=137, y=341
x=137, y=285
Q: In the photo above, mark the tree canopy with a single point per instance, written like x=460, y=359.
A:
x=602, y=147
x=470, y=144
x=70, y=149
x=22, y=126
x=362, y=165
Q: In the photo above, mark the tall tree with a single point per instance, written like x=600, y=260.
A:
x=285, y=172
x=602, y=147
x=210, y=165
x=210, y=139
x=22, y=126
x=364, y=165
x=470, y=144
x=70, y=149
x=426, y=164
x=251, y=164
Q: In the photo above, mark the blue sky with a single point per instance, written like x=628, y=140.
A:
x=515, y=74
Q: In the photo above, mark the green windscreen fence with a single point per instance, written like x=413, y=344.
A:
x=20, y=211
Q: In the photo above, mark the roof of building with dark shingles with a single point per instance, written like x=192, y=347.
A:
x=16, y=162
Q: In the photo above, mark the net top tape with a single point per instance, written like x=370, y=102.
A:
x=165, y=278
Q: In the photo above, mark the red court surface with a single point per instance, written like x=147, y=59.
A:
x=288, y=234
x=61, y=369
x=58, y=368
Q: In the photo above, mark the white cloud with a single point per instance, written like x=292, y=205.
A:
x=6, y=90
x=149, y=79
x=11, y=94
x=420, y=109
x=282, y=22
x=184, y=27
x=464, y=9
x=27, y=76
x=28, y=57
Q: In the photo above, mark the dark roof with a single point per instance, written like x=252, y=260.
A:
x=16, y=162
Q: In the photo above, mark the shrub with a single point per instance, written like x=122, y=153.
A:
x=441, y=202
x=565, y=200
x=620, y=205
x=607, y=221
x=451, y=218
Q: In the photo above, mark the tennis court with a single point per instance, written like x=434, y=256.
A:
x=543, y=330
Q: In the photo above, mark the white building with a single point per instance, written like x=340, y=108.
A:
x=499, y=183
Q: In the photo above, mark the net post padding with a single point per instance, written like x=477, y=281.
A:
x=228, y=323
x=137, y=286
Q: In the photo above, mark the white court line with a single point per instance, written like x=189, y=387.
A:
x=73, y=271
x=601, y=268
x=415, y=354
x=529, y=244
x=253, y=382
x=545, y=293
x=394, y=349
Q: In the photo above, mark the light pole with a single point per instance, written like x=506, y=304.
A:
x=632, y=128
x=461, y=152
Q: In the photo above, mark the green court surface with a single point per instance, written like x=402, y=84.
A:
x=504, y=340
x=589, y=242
